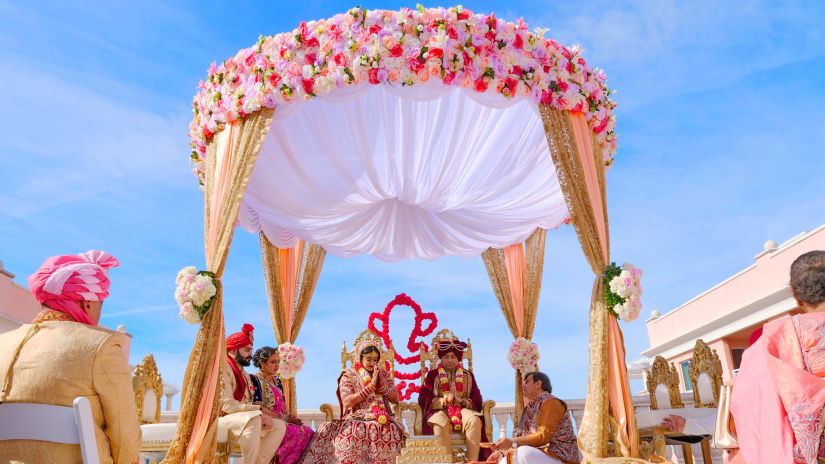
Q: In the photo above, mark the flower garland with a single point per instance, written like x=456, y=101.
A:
x=402, y=48
x=292, y=359
x=453, y=410
x=420, y=330
x=376, y=406
x=524, y=355
x=623, y=290
x=195, y=291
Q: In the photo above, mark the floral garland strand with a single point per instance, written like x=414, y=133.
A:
x=453, y=410
x=523, y=355
x=408, y=47
x=195, y=291
x=292, y=360
x=405, y=389
x=623, y=291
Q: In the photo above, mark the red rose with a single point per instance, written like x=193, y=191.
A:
x=396, y=51
x=375, y=29
x=373, y=73
x=464, y=15
x=414, y=63
x=511, y=83
x=448, y=78
x=339, y=59
x=312, y=42
x=491, y=35
x=250, y=60
x=308, y=85
x=481, y=84
x=570, y=68
x=274, y=79
x=546, y=97
x=436, y=52
x=518, y=42
x=517, y=70
x=310, y=58
x=452, y=33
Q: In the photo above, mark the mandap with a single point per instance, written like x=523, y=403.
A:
x=407, y=134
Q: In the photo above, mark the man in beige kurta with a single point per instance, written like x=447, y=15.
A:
x=63, y=354
x=258, y=433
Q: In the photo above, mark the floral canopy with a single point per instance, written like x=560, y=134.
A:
x=405, y=134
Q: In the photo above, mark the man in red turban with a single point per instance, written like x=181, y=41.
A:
x=64, y=354
x=257, y=430
x=451, y=401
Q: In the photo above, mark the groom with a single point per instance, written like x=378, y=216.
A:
x=451, y=401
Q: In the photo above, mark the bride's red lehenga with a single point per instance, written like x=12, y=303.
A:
x=358, y=437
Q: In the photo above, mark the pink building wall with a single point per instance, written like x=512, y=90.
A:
x=17, y=305
x=725, y=315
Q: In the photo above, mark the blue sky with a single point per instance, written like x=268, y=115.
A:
x=721, y=148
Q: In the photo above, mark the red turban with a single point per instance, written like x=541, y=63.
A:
x=240, y=339
x=62, y=282
x=454, y=346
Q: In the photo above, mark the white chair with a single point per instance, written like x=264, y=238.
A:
x=57, y=424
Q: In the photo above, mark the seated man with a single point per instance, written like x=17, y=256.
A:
x=259, y=434
x=451, y=401
x=64, y=354
x=545, y=432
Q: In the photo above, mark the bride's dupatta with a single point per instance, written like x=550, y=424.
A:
x=778, y=395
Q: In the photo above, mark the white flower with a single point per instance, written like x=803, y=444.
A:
x=308, y=71
x=188, y=314
x=184, y=271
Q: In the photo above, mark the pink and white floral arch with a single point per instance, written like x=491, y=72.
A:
x=403, y=134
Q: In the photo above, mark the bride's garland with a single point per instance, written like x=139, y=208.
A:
x=453, y=410
x=376, y=403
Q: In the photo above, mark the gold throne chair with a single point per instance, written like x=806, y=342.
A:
x=705, y=370
x=349, y=358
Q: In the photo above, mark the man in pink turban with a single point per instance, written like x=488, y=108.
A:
x=74, y=285
x=63, y=354
x=256, y=430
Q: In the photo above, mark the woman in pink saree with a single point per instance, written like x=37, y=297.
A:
x=779, y=393
x=270, y=395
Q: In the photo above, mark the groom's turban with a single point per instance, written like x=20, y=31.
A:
x=454, y=346
x=62, y=282
x=240, y=339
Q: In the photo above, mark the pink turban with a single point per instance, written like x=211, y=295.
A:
x=62, y=282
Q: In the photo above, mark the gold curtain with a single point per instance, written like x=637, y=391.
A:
x=607, y=396
x=520, y=325
x=291, y=276
x=229, y=162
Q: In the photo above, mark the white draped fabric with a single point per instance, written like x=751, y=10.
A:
x=417, y=172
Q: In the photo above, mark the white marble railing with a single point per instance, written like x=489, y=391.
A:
x=502, y=415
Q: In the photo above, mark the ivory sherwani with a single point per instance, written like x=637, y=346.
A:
x=64, y=360
x=242, y=421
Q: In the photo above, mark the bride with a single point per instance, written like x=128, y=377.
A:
x=367, y=431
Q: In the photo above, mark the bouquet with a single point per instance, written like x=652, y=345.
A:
x=194, y=293
x=524, y=355
x=623, y=291
x=292, y=359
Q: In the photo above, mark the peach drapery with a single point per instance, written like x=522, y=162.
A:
x=291, y=275
x=229, y=162
x=579, y=166
x=515, y=274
